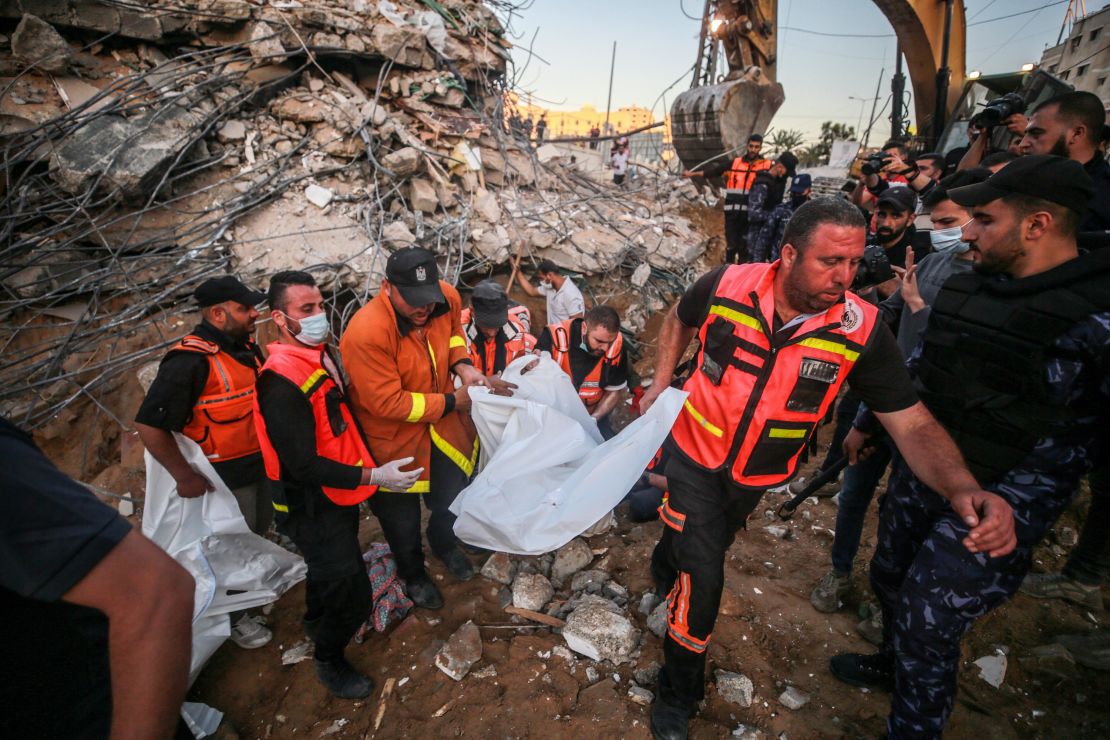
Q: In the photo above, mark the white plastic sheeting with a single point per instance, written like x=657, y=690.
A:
x=546, y=474
x=233, y=568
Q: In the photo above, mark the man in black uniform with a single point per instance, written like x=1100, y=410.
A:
x=777, y=343
x=204, y=389
x=97, y=619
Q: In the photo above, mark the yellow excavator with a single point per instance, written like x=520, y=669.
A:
x=712, y=120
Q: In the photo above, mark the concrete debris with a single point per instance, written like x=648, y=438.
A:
x=648, y=675
x=532, y=591
x=616, y=592
x=647, y=603
x=641, y=696
x=422, y=196
x=318, y=196
x=735, y=688
x=600, y=634
x=591, y=674
x=232, y=131
x=462, y=650
x=403, y=162
x=657, y=620
x=301, y=651
x=778, y=531
x=793, y=698
x=571, y=558
x=35, y=42
x=744, y=732
x=992, y=668
x=641, y=274
x=500, y=568
x=590, y=581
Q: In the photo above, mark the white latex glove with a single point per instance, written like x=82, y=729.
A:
x=392, y=477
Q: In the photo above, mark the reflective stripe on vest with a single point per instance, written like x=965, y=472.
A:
x=751, y=409
x=742, y=174
x=222, y=421
x=590, y=391
x=337, y=436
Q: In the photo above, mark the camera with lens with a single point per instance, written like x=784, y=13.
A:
x=874, y=163
x=873, y=269
x=998, y=110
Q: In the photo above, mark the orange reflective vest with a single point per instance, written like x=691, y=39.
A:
x=483, y=349
x=751, y=407
x=337, y=436
x=590, y=391
x=522, y=316
x=742, y=174
x=222, y=422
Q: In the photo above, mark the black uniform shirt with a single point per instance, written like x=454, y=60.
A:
x=1098, y=209
x=174, y=393
x=53, y=532
x=582, y=362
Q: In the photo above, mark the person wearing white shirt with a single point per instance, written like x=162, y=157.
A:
x=564, y=300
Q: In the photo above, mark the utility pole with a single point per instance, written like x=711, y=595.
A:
x=874, y=104
x=940, y=110
x=609, y=102
x=897, y=91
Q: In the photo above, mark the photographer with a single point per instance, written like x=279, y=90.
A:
x=895, y=232
x=875, y=177
x=1070, y=125
x=892, y=165
x=1007, y=111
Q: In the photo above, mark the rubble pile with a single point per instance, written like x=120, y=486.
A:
x=148, y=147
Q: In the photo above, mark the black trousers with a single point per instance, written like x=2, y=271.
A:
x=736, y=229
x=702, y=514
x=337, y=588
x=399, y=514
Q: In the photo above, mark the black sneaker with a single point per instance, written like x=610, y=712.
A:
x=423, y=593
x=668, y=722
x=343, y=680
x=869, y=671
x=458, y=564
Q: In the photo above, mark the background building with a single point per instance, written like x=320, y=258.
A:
x=1083, y=59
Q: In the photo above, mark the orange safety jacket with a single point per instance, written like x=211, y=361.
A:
x=590, y=391
x=222, y=422
x=483, y=349
x=521, y=315
x=752, y=407
x=742, y=174
x=337, y=436
x=400, y=383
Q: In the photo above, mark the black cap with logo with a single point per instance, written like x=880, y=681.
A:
x=1055, y=179
x=898, y=197
x=490, y=304
x=415, y=273
x=226, y=288
x=789, y=161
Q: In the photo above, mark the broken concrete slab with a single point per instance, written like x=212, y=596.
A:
x=599, y=634
x=531, y=591
x=657, y=620
x=571, y=558
x=265, y=44
x=793, y=698
x=404, y=162
x=36, y=43
x=405, y=45
x=735, y=688
x=500, y=568
x=641, y=696
x=486, y=206
x=461, y=651
x=422, y=196
x=589, y=580
x=318, y=196
x=232, y=131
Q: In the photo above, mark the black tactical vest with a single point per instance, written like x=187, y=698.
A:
x=982, y=370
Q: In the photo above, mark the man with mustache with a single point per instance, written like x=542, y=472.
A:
x=895, y=232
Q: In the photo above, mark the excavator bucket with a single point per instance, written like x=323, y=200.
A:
x=708, y=121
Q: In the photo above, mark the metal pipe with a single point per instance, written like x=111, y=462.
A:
x=609, y=102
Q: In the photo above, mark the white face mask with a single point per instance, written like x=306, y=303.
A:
x=949, y=240
x=547, y=285
x=314, y=329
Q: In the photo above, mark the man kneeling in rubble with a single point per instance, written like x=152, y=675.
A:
x=591, y=352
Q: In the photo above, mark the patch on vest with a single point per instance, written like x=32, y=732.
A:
x=852, y=318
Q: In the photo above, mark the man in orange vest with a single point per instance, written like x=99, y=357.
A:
x=590, y=350
x=739, y=179
x=776, y=343
x=494, y=335
x=403, y=350
x=320, y=471
x=205, y=390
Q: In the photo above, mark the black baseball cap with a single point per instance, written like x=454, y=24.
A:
x=1056, y=179
x=899, y=197
x=226, y=288
x=490, y=304
x=415, y=273
x=789, y=161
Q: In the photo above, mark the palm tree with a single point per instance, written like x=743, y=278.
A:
x=784, y=140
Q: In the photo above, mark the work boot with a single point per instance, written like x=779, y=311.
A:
x=249, y=633
x=423, y=593
x=829, y=591
x=828, y=490
x=871, y=629
x=1091, y=650
x=869, y=671
x=668, y=722
x=1059, y=586
x=343, y=680
x=458, y=564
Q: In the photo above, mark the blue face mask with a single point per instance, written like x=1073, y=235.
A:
x=949, y=240
x=314, y=329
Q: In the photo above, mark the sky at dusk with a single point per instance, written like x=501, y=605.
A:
x=657, y=45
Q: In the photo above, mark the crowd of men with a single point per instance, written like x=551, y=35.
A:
x=977, y=375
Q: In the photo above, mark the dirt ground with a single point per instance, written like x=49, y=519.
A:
x=767, y=630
